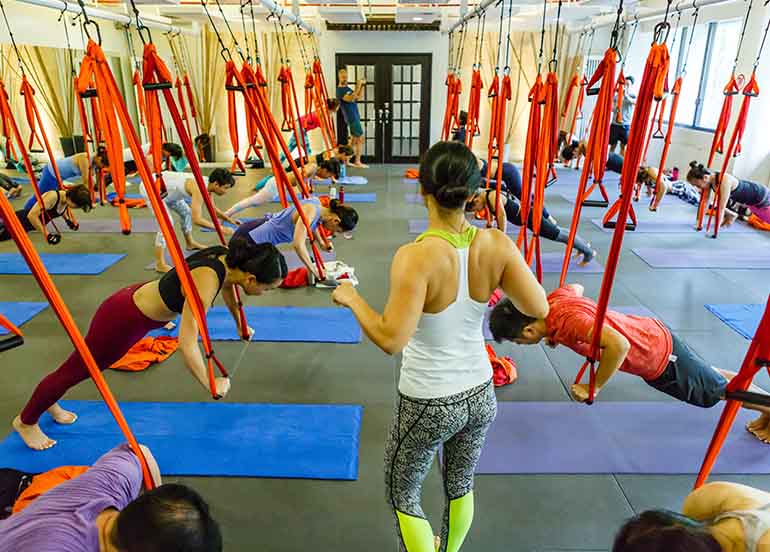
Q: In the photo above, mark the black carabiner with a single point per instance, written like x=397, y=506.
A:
x=98, y=30
x=139, y=29
x=659, y=30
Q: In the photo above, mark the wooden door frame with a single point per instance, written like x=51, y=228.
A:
x=382, y=91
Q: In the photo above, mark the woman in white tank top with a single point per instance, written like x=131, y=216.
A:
x=439, y=289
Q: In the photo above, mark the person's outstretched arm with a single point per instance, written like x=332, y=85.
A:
x=725, y=187
x=300, y=237
x=207, y=284
x=392, y=329
x=518, y=282
x=34, y=216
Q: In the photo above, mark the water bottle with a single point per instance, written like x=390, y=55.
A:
x=342, y=193
x=332, y=191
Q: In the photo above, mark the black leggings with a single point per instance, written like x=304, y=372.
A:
x=548, y=229
x=21, y=214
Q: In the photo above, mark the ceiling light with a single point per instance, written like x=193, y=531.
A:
x=417, y=18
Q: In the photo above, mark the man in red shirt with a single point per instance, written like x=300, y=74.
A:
x=637, y=345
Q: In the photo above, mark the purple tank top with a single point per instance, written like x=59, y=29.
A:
x=279, y=227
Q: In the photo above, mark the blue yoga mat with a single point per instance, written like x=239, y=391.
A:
x=20, y=313
x=744, y=319
x=672, y=227
x=284, y=324
x=207, y=439
x=112, y=195
x=345, y=181
x=61, y=263
x=615, y=437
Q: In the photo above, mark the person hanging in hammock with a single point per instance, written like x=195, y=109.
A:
x=485, y=199
x=308, y=122
x=128, y=315
x=267, y=188
x=745, y=192
x=58, y=204
x=637, y=345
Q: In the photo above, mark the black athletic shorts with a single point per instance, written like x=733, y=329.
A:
x=689, y=378
x=618, y=133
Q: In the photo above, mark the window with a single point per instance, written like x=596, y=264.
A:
x=710, y=59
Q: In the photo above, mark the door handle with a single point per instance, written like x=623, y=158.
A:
x=380, y=117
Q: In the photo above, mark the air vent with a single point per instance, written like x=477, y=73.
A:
x=380, y=23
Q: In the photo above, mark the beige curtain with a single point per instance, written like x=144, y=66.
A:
x=210, y=84
x=56, y=97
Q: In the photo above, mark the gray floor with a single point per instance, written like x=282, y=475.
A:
x=513, y=513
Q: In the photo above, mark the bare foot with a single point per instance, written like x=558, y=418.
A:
x=32, y=435
x=61, y=416
x=585, y=258
x=162, y=269
x=760, y=428
x=437, y=543
x=195, y=246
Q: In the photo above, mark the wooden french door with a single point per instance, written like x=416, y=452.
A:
x=395, y=107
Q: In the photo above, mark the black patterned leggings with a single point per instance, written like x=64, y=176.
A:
x=459, y=423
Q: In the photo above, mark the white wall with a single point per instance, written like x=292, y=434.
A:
x=690, y=144
x=392, y=42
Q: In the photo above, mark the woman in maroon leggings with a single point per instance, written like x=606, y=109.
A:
x=128, y=315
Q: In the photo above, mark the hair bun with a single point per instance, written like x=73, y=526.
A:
x=452, y=197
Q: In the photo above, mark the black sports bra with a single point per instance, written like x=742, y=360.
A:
x=169, y=286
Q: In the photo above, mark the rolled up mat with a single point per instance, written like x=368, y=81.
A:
x=208, y=439
x=614, y=437
x=659, y=257
x=744, y=319
x=139, y=225
x=20, y=313
x=283, y=324
x=672, y=227
x=61, y=263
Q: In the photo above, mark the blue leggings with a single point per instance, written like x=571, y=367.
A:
x=46, y=183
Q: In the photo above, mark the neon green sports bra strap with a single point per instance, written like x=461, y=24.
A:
x=459, y=241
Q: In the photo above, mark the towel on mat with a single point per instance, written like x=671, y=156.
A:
x=412, y=173
x=148, y=351
x=131, y=203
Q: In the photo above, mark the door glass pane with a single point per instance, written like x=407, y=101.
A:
x=415, y=129
x=370, y=128
x=407, y=73
x=396, y=92
x=370, y=73
x=396, y=73
x=396, y=147
x=414, y=151
x=396, y=111
x=369, y=111
x=415, y=92
x=416, y=110
x=416, y=73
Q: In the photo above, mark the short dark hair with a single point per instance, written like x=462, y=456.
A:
x=449, y=171
x=101, y=154
x=697, y=171
x=348, y=215
x=174, y=150
x=630, y=79
x=345, y=149
x=568, y=152
x=664, y=531
x=332, y=104
x=332, y=166
x=80, y=196
x=262, y=260
x=462, y=118
x=506, y=322
x=223, y=177
x=170, y=517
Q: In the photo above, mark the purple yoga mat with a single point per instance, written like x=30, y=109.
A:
x=292, y=260
x=673, y=227
x=658, y=257
x=143, y=225
x=614, y=437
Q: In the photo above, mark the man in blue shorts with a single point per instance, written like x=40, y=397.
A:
x=349, y=108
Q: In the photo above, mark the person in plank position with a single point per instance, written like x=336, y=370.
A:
x=647, y=176
x=484, y=199
x=754, y=196
x=132, y=312
x=104, y=510
x=57, y=203
x=568, y=153
x=637, y=345
x=181, y=189
x=75, y=166
x=267, y=188
x=286, y=226
x=717, y=517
